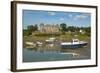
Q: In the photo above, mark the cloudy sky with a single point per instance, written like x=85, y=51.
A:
x=31, y=17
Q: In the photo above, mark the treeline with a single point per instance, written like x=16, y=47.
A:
x=62, y=27
x=30, y=29
x=86, y=30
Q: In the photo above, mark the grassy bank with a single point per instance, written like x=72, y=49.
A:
x=62, y=37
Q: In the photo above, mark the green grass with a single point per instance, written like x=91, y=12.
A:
x=64, y=37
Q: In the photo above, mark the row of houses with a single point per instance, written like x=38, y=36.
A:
x=52, y=29
x=49, y=28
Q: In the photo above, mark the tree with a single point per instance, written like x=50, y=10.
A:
x=41, y=24
x=88, y=31
x=63, y=26
x=32, y=28
x=35, y=27
x=26, y=32
x=71, y=28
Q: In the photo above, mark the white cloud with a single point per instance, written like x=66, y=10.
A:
x=51, y=13
x=61, y=19
x=81, y=16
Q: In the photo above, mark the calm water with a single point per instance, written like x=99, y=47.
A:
x=55, y=53
x=33, y=56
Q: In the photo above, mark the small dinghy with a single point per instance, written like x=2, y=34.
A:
x=74, y=44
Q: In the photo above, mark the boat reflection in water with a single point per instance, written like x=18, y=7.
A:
x=55, y=51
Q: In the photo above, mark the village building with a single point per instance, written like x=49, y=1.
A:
x=82, y=31
x=49, y=28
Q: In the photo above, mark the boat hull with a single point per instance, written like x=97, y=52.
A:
x=73, y=46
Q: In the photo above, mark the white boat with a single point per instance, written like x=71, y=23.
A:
x=30, y=43
x=74, y=44
x=39, y=43
x=50, y=40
